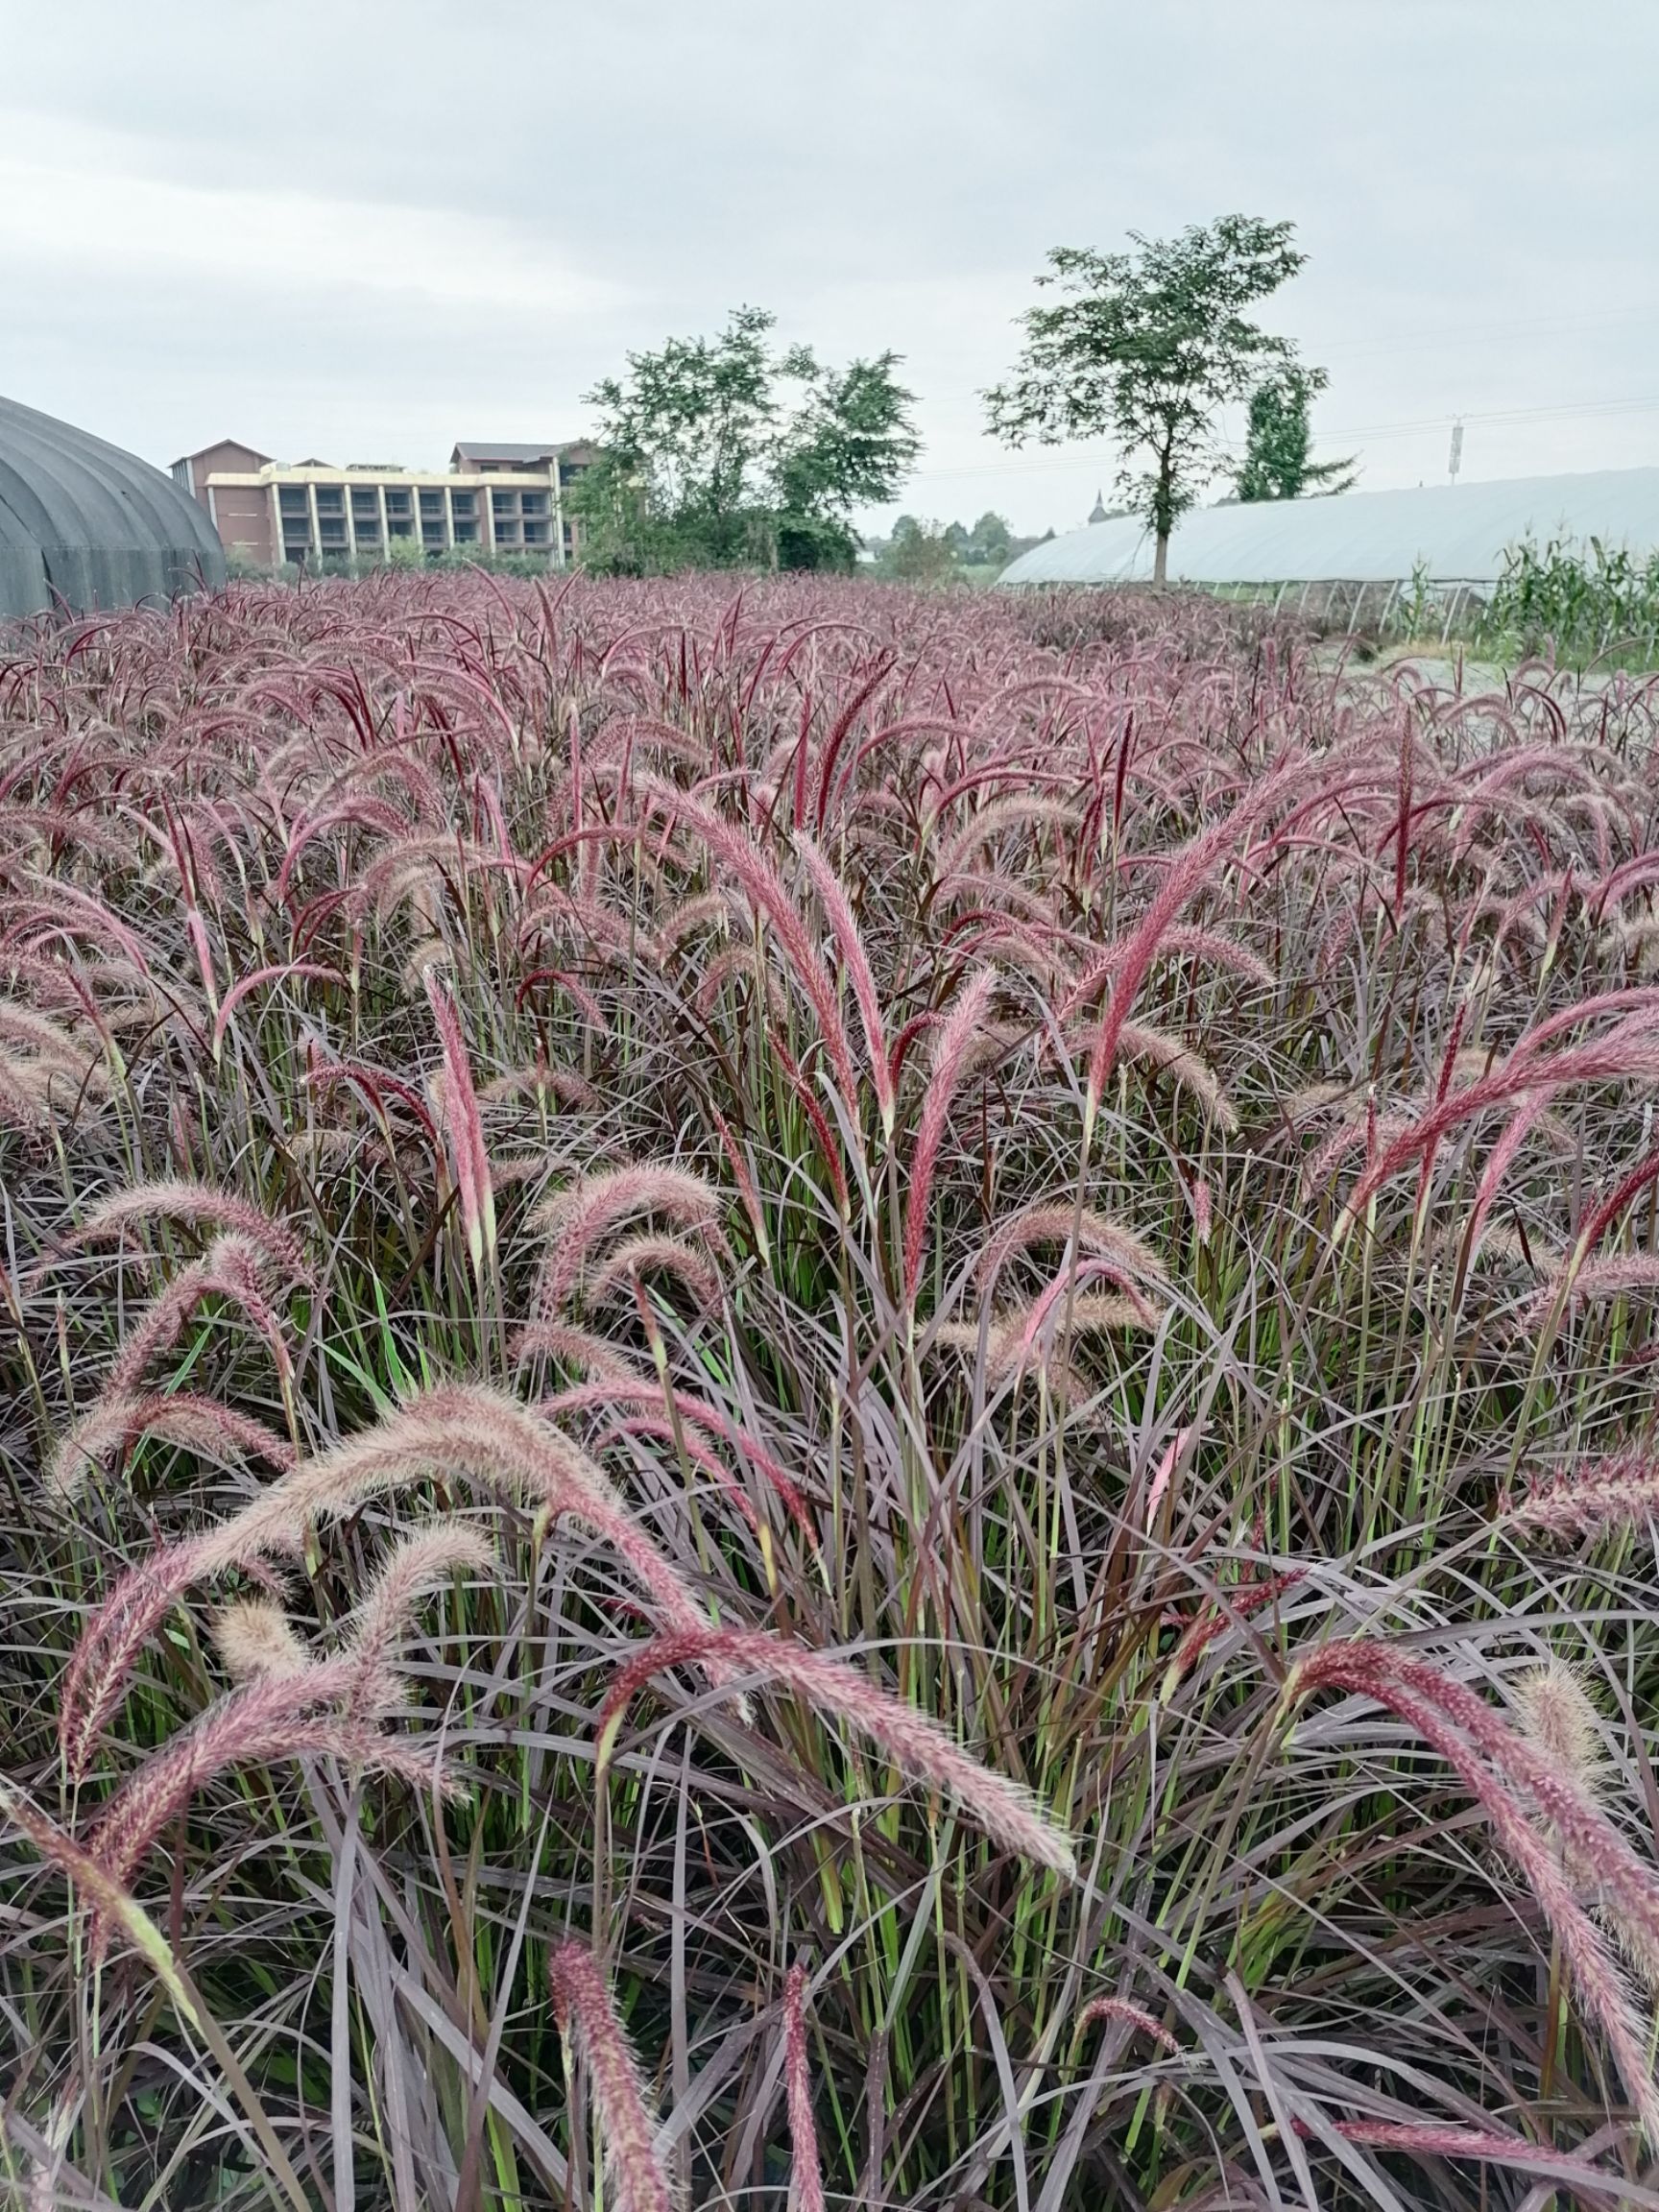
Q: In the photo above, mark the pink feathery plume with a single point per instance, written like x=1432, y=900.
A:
x=638, y=1255
x=1189, y=872
x=588, y=2021
x=1619, y=1492
x=1054, y=1223
x=464, y=1127
x=745, y=1182
x=956, y=1040
x=805, y=2172
x=112, y=1638
x=231, y=1267
x=1489, y=1757
x=312, y=969
x=182, y=1418
x=276, y=1716
x=838, y=912
x=696, y=1413
x=183, y=1200
x=1492, y=2146
x=419, y=1564
x=769, y=894
x=454, y=1429
x=1628, y=1051
x=577, y=1218
x=1165, y=1468
x=915, y=1743
x=1120, y=2009
x=601, y=1361
x=1613, y=1277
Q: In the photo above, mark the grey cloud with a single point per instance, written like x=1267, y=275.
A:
x=879, y=175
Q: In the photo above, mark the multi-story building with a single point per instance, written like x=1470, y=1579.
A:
x=493, y=498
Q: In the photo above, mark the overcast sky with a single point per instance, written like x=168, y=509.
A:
x=364, y=229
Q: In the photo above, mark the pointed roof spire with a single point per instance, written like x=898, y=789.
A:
x=1097, y=514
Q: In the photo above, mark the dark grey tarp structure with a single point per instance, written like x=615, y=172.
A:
x=84, y=525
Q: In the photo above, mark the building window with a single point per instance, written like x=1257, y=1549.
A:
x=465, y=533
x=294, y=506
x=532, y=503
x=431, y=503
x=331, y=500
x=464, y=505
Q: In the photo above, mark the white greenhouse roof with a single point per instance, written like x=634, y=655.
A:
x=1458, y=531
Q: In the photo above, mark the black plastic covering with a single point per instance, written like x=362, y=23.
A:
x=84, y=525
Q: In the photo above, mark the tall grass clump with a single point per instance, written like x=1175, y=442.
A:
x=819, y=1400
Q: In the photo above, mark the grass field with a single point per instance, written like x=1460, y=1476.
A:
x=826, y=1398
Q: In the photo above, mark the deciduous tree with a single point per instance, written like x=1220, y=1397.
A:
x=1145, y=347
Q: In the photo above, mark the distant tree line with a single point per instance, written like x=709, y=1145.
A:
x=928, y=552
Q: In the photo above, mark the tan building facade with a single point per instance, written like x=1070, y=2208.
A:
x=492, y=499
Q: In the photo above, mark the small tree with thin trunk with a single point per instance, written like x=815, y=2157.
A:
x=1144, y=347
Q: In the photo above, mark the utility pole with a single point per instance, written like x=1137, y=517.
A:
x=1456, y=457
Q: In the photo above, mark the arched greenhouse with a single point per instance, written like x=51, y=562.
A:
x=1351, y=557
x=83, y=524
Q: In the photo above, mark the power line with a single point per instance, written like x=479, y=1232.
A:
x=1097, y=452
x=1362, y=350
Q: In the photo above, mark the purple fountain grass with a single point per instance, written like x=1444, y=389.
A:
x=1616, y=1276
x=312, y=969
x=696, y=1413
x=113, y=1637
x=451, y=1429
x=1619, y=1491
x=1181, y=941
x=1132, y=2015
x=116, y=1422
x=418, y=1564
x=1157, y=1048
x=1016, y=811
x=1630, y=1052
x=1492, y=2146
x=234, y=1267
x=1188, y=874
x=698, y=871
x=1053, y=1222
x=649, y=1255
x=697, y=1453
x=574, y=1220
x=1490, y=1758
x=915, y=1743
x=464, y=1129
x=276, y=1718
x=769, y=894
x=254, y=1638
x=952, y=1047
x=178, y=1200
x=806, y=2169
x=588, y=2020
x=838, y=912
x=460, y=1429
x=593, y=1355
